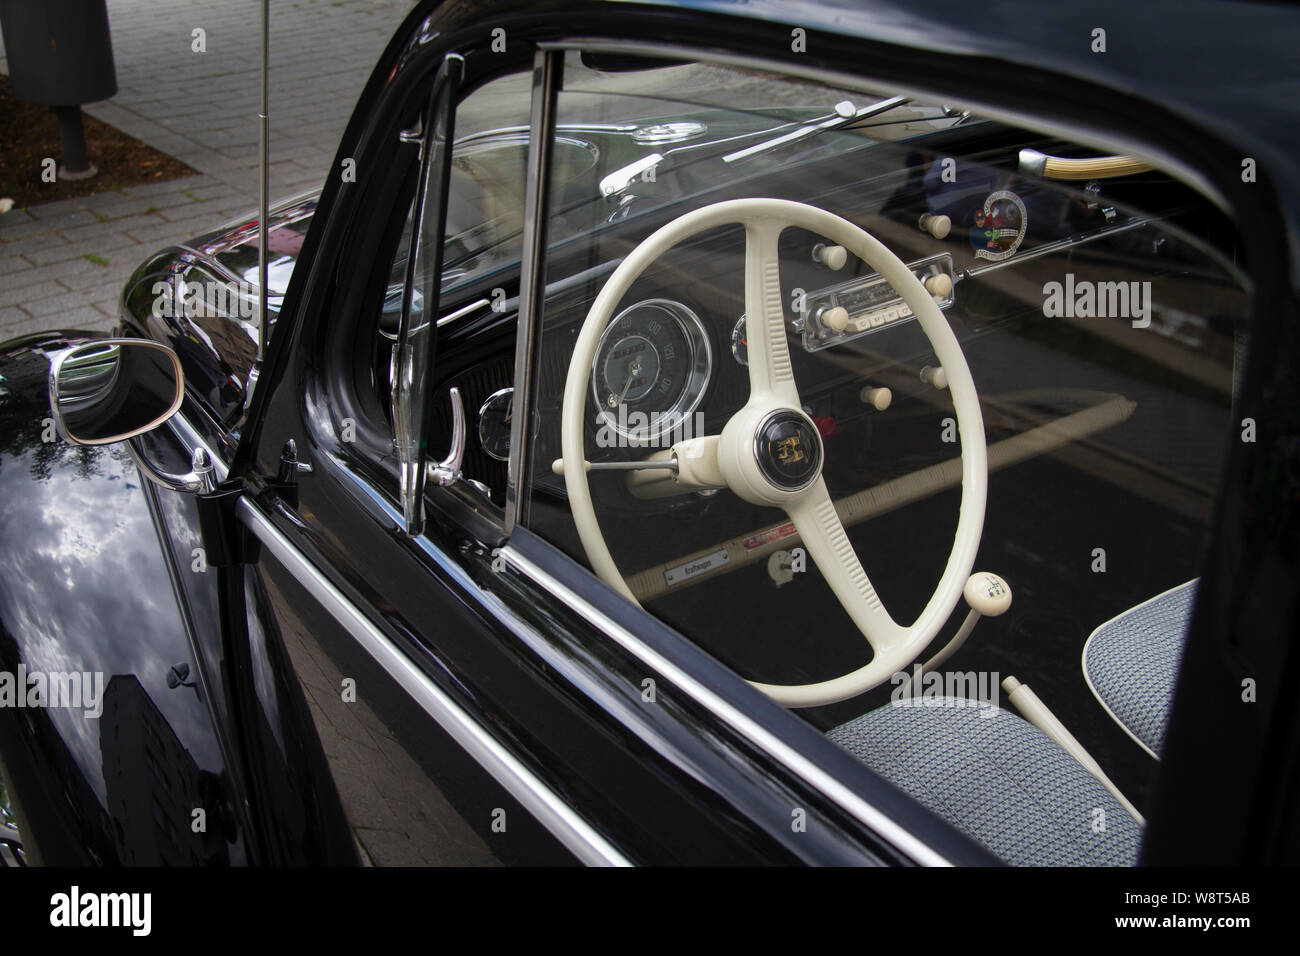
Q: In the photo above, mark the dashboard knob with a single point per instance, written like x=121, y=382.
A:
x=877, y=398
x=825, y=425
x=836, y=319
x=938, y=285
x=987, y=594
x=832, y=257
x=935, y=375
x=937, y=226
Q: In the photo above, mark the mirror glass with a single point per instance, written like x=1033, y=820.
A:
x=110, y=390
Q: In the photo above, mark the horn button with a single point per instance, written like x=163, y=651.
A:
x=788, y=449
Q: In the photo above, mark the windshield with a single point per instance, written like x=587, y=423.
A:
x=613, y=148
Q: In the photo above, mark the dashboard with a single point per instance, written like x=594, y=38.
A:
x=672, y=363
x=673, y=360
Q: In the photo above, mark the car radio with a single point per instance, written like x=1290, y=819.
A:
x=867, y=304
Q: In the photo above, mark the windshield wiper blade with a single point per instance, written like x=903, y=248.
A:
x=849, y=115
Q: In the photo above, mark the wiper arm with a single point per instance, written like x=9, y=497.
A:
x=846, y=115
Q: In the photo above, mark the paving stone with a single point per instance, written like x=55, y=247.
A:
x=60, y=306
x=30, y=244
x=15, y=322
x=160, y=232
x=11, y=265
x=33, y=227
x=82, y=235
x=80, y=275
x=52, y=212
x=32, y=285
x=109, y=246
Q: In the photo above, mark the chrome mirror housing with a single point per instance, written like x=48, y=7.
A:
x=113, y=390
x=109, y=390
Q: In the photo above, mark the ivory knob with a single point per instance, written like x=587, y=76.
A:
x=836, y=319
x=937, y=226
x=987, y=593
x=938, y=285
x=877, y=398
x=935, y=375
x=832, y=257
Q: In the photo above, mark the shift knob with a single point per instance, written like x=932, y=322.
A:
x=987, y=594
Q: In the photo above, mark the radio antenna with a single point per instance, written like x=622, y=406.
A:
x=263, y=189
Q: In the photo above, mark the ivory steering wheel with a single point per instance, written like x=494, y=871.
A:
x=770, y=452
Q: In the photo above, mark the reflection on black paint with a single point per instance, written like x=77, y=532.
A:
x=154, y=785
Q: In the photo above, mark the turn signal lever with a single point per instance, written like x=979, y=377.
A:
x=447, y=471
x=1034, y=163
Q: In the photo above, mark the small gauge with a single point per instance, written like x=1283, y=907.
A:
x=651, y=368
x=494, y=419
x=740, y=343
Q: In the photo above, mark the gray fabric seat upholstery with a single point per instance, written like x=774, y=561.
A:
x=996, y=777
x=1131, y=663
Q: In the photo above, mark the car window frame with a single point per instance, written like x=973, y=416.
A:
x=1188, y=169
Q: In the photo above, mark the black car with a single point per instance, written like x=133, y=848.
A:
x=656, y=401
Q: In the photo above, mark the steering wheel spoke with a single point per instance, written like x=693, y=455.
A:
x=823, y=534
x=771, y=377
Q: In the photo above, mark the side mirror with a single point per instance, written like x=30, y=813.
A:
x=111, y=390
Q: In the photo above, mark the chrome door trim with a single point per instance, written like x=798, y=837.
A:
x=563, y=822
x=857, y=807
x=462, y=312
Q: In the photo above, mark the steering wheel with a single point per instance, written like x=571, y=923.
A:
x=770, y=452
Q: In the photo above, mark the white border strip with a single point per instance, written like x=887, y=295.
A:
x=877, y=821
x=1083, y=661
x=542, y=802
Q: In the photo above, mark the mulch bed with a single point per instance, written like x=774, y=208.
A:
x=31, y=133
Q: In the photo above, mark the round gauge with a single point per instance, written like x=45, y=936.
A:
x=652, y=366
x=739, y=344
x=999, y=226
x=494, y=424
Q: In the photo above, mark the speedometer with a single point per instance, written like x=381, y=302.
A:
x=652, y=366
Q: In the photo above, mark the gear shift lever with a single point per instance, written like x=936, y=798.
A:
x=988, y=596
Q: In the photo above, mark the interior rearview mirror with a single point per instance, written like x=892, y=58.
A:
x=110, y=390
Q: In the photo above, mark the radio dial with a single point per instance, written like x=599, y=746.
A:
x=835, y=318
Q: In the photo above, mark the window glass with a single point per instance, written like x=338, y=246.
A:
x=1099, y=317
x=482, y=247
x=485, y=194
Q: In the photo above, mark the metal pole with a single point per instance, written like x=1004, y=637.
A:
x=72, y=143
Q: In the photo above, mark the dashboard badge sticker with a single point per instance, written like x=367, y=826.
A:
x=999, y=226
x=770, y=535
x=696, y=566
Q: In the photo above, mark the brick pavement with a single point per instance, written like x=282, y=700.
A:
x=63, y=264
